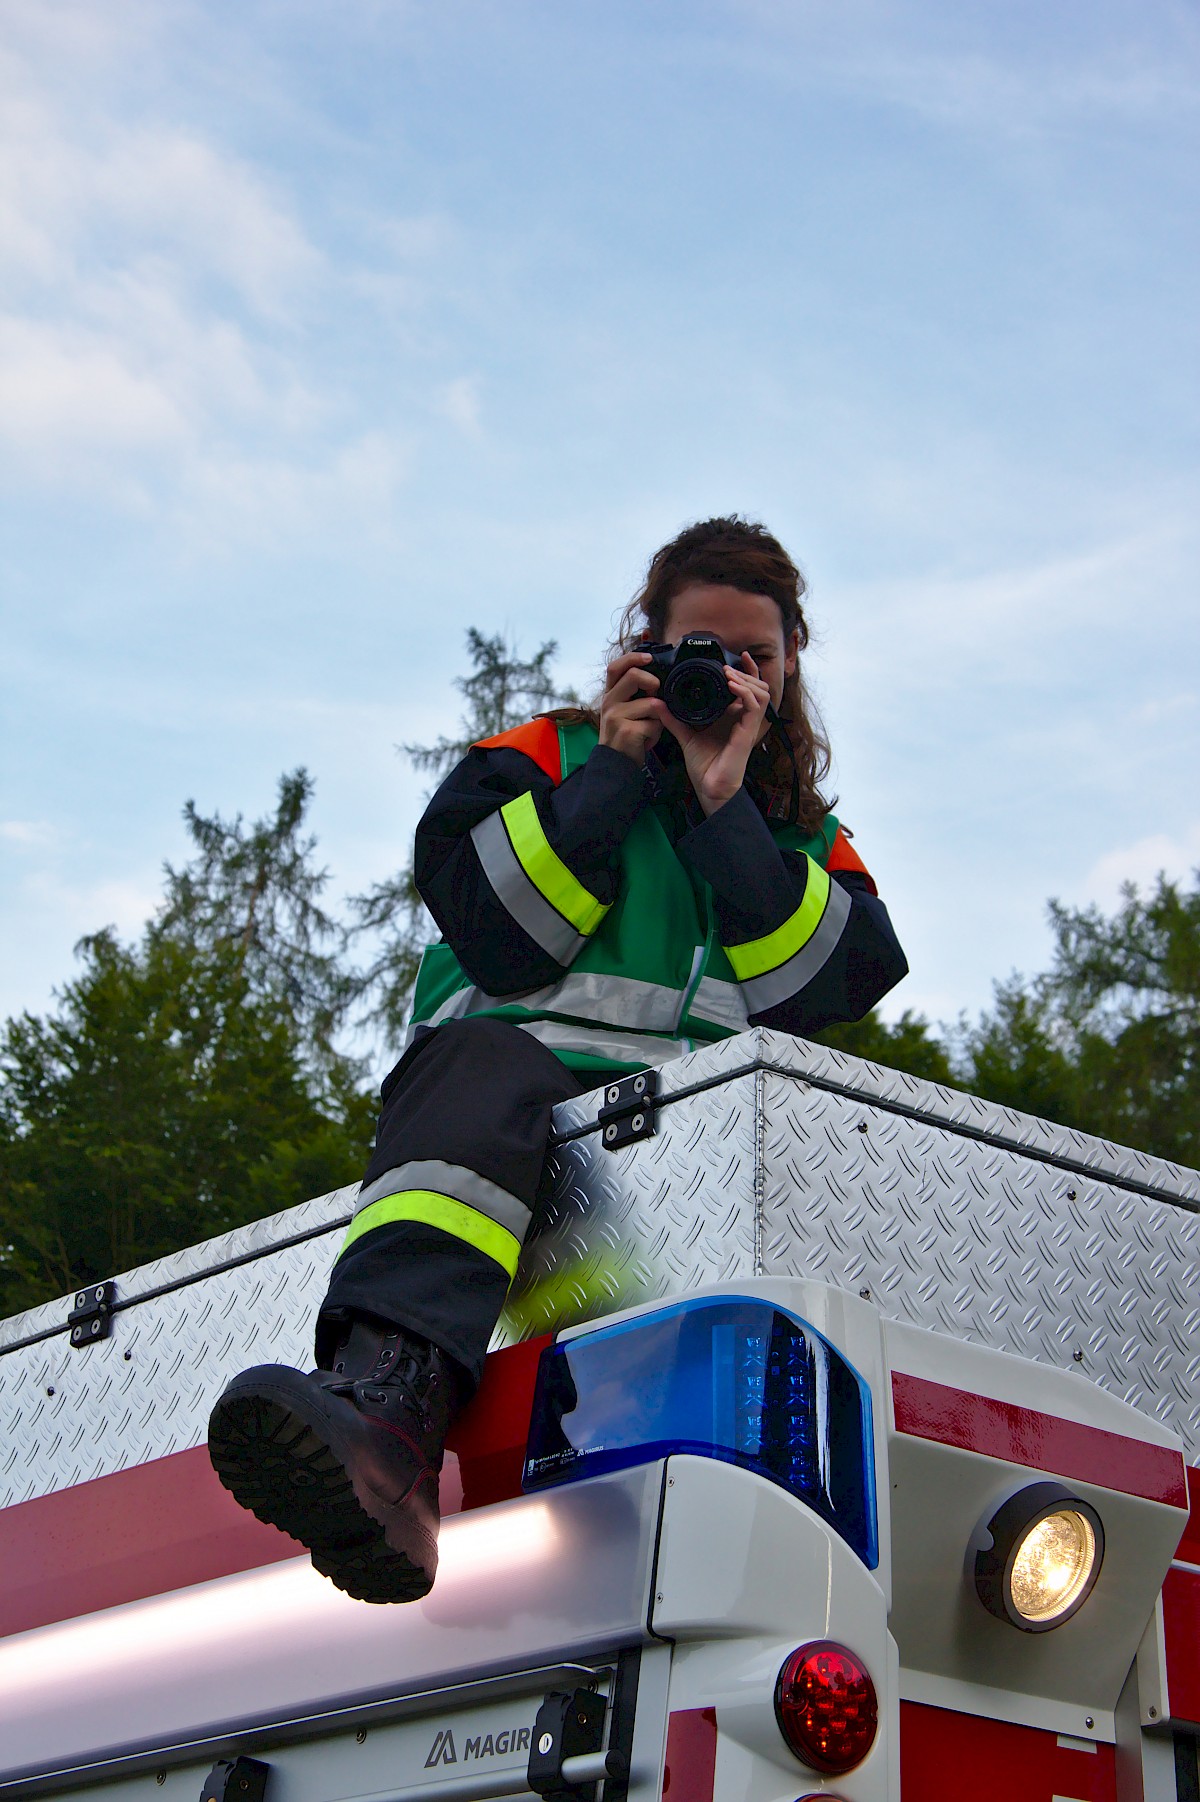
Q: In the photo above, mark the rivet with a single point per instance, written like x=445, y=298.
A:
x=865, y=1294
x=1152, y=1712
x=614, y=1094
x=361, y=1736
x=128, y=1356
x=610, y=1133
x=639, y=1120
x=49, y=1388
x=1078, y=1356
x=1071, y=1193
x=862, y=1126
x=639, y=1086
x=160, y=1777
x=1088, y=1721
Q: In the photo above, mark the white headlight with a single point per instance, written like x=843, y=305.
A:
x=1038, y=1557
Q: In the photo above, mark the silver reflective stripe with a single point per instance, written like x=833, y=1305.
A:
x=637, y=1049
x=456, y=1181
x=779, y=985
x=519, y=897
x=721, y=1002
x=613, y=1000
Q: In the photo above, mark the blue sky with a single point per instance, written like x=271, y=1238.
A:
x=326, y=331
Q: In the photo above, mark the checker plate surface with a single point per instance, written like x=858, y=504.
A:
x=772, y=1157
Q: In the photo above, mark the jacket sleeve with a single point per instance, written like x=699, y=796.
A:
x=518, y=872
x=809, y=948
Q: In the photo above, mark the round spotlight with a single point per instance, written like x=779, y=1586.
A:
x=826, y=1706
x=1038, y=1557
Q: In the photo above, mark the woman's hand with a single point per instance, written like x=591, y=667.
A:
x=631, y=719
x=716, y=758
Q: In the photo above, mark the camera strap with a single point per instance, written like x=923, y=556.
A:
x=778, y=726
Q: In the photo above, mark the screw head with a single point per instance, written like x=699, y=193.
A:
x=361, y=1735
x=610, y=1133
x=1152, y=1712
x=614, y=1094
x=638, y=1121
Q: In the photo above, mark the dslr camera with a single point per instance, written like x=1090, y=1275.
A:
x=691, y=677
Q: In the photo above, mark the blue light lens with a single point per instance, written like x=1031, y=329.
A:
x=733, y=1379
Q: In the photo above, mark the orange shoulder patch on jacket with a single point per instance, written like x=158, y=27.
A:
x=538, y=739
x=843, y=856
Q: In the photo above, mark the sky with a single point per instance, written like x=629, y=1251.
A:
x=329, y=331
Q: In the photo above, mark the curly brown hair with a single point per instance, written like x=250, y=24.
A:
x=738, y=553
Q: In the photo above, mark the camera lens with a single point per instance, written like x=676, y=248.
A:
x=697, y=692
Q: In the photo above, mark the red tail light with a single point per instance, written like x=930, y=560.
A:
x=826, y=1706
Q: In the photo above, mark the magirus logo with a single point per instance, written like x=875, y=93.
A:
x=479, y=1745
x=442, y=1750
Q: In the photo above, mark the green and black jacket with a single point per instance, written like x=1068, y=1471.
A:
x=594, y=905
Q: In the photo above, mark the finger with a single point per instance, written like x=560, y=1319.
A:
x=749, y=665
x=621, y=666
x=634, y=681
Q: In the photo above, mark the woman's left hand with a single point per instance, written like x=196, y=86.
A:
x=716, y=758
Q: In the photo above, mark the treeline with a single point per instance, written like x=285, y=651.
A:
x=197, y=1079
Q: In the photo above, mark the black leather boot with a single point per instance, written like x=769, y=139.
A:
x=346, y=1460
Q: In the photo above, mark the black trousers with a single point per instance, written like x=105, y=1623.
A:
x=464, y=1121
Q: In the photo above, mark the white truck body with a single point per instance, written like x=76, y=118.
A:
x=1021, y=1303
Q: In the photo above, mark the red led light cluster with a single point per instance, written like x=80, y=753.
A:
x=826, y=1706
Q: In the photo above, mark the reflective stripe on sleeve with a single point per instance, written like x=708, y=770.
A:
x=774, y=968
x=428, y=1208
x=546, y=869
x=532, y=882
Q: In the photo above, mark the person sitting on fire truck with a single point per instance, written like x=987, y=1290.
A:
x=614, y=887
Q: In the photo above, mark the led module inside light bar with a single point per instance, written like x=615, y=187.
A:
x=722, y=1377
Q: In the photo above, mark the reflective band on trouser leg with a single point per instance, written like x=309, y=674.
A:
x=546, y=869
x=780, y=984
x=449, y=1216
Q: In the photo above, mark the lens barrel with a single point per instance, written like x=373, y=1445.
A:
x=696, y=692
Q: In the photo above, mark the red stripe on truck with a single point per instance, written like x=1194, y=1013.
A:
x=169, y=1523
x=950, y=1757
x=1181, y=1623
x=1189, y=1545
x=1064, y=1448
x=690, y=1768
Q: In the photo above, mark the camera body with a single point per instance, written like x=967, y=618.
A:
x=691, y=677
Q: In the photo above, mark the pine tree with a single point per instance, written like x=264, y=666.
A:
x=501, y=691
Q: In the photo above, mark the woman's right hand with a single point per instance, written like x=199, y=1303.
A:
x=631, y=716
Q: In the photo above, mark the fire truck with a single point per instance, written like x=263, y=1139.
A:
x=837, y=1441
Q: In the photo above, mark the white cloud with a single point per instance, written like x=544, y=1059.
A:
x=460, y=403
x=1175, y=855
x=31, y=833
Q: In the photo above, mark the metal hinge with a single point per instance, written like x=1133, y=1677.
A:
x=91, y=1317
x=629, y=1111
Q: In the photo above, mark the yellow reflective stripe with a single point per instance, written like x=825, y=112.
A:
x=432, y=1209
x=546, y=869
x=760, y=955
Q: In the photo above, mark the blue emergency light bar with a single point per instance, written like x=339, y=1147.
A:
x=726, y=1378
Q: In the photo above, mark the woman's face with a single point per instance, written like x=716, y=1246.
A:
x=743, y=622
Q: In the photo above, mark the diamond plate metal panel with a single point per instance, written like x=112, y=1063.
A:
x=983, y=1244
x=772, y=1157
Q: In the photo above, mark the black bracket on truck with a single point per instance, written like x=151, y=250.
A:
x=91, y=1317
x=630, y=1110
x=565, y=1760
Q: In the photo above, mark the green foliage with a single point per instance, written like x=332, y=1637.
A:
x=1109, y=1038
x=905, y=1044
x=186, y=1084
x=502, y=691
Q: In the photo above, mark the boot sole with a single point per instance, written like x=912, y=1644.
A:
x=276, y=1465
